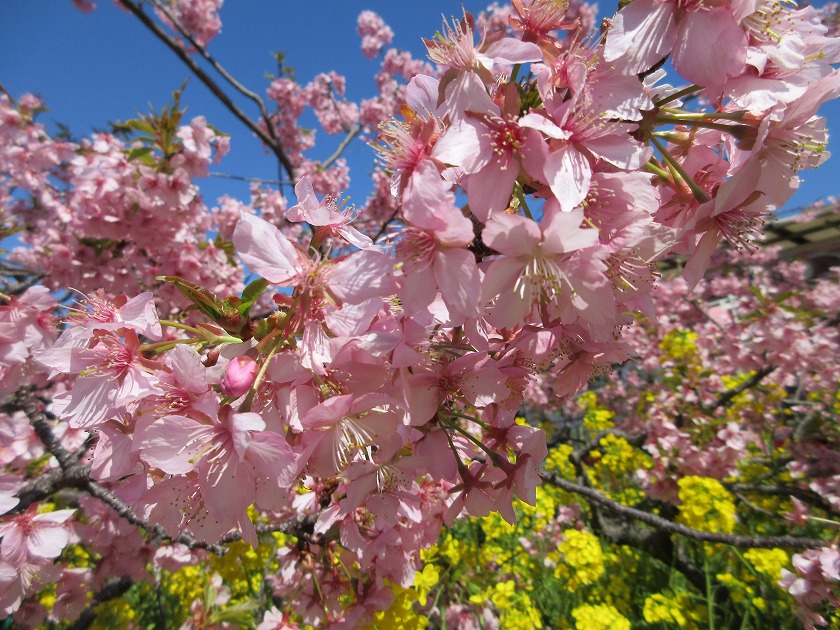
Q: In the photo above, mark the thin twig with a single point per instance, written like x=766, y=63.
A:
x=219, y=68
x=253, y=180
x=110, y=591
x=217, y=91
x=351, y=134
x=803, y=494
x=385, y=225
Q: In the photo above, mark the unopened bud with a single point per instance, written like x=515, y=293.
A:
x=239, y=376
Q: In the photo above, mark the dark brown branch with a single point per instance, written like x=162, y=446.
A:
x=271, y=142
x=46, y=485
x=803, y=494
x=29, y=405
x=385, y=225
x=726, y=397
x=759, y=542
x=76, y=475
x=110, y=591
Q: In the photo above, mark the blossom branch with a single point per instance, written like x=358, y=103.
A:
x=218, y=66
x=252, y=180
x=217, y=91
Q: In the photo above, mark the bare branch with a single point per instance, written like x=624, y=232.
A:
x=354, y=131
x=760, y=542
x=219, y=68
x=385, y=225
x=112, y=590
x=73, y=474
x=253, y=180
x=803, y=494
x=726, y=397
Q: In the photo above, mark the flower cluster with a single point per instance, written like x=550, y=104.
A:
x=706, y=505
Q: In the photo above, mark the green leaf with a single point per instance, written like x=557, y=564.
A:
x=250, y=295
x=205, y=301
x=140, y=125
x=144, y=154
x=241, y=613
x=227, y=247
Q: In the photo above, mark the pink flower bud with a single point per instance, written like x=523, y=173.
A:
x=239, y=376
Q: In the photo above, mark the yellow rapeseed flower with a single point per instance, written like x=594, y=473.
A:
x=706, y=505
x=770, y=562
x=599, y=617
x=583, y=558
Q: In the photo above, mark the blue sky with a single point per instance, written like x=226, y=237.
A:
x=105, y=66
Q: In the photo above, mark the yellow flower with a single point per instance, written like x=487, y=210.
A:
x=770, y=562
x=583, y=558
x=615, y=463
x=679, y=344
x=706, y=505
x=400, y=615
x=503, y=594
x=558, y=461
x=425, y=581
x=674, y=610
x=599, y=617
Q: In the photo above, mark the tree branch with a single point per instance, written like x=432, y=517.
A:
x=759, y=542
x=271, y=142
x=220, y=69
x=76, y=475
x=351, y=134
x=110, y=591
x=726, y=397
x=803, y=494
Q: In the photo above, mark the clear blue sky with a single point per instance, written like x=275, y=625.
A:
x=105, y=66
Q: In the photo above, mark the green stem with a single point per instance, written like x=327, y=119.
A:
x=698, y=192
x=678, y=113
x=661, y=172
x=525, y=207
x=171, y=324
x=249, y=399
x=163, y=346
x=697, y=123
x=710, y=603
x=490, y=453
x=678, y=95
x=480, y=423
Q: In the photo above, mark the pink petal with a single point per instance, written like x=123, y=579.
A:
x=361, y=276
x=568, y=174
x=512, y=51
x=271, y=455
x=711, y=47
x=641, y=34
x=171, y=444
x=265, y=250
x=489, y=190
x=456, y=274
x=512, y=234
x=47, y=542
